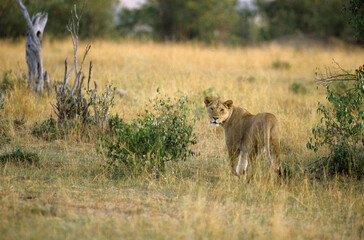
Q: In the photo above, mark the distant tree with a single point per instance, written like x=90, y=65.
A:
x=207, y=20
x=127, y=20
x=320, y=18
x=98, y=18
x=356, y=7
x=12, y=23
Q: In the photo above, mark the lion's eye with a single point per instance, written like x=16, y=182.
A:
x=222, y=110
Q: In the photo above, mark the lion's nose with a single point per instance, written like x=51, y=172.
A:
x=215, y=118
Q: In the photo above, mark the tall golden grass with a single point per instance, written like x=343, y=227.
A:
x=70, y=196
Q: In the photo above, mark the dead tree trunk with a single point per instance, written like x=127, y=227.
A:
x=34, y=47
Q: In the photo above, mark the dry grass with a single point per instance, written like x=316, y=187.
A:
x=70, y=196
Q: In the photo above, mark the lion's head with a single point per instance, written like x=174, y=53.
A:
x=217, y=110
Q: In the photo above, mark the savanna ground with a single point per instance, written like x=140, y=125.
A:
x=71, y=196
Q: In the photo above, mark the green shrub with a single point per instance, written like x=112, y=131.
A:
x=7, y=82
x=48, y=130
x=20, y=157
x=341, y=126
x=278, y=64
x=161, y=134
x=251, y=79
x=298, y=88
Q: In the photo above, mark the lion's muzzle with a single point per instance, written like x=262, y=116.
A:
x=214, y=122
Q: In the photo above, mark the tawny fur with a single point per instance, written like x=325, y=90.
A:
x=246, y=135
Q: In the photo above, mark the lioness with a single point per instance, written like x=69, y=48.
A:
x=246, y=134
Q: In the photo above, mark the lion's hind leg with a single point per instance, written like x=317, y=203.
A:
x=242, y=164
x=275, y=152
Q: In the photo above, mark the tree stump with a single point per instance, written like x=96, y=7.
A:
x=34, y=48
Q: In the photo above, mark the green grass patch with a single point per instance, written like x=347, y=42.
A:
x=20, y=157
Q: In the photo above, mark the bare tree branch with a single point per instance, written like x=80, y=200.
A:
x=89, y=76
x=71, y=103
x=88, y=47
x=336, y=78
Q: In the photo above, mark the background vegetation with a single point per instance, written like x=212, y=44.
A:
x=98, y=18
x=320, y=18
x=209, y=21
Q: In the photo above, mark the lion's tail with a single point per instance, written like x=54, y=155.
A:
x=267, y=128
x=271, y=143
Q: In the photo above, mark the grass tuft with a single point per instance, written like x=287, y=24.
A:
x=20, y=157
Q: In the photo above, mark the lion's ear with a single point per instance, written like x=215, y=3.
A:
x=208, y=101
x=228, y=104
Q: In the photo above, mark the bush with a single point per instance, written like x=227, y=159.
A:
x=20, y=157
x=341, y=126
x=7, y=82
x=298, y=88
x=281, y=65
x=47, y=130
x=148, y=142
